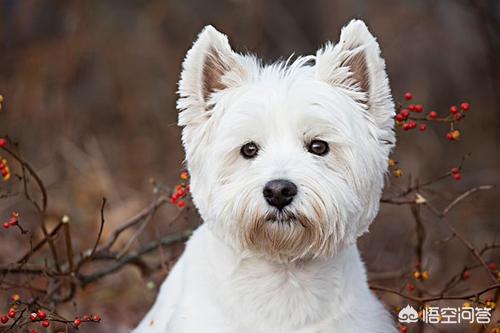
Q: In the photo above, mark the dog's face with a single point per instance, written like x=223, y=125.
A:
x=287, y=160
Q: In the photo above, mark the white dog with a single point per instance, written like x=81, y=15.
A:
x=287, y=164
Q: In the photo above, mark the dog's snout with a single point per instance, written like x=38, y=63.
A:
x=279, y=192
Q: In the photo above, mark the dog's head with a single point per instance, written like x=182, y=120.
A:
x=287, y=160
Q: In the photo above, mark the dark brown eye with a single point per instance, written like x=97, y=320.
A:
x=318, y=147
x=249, y=150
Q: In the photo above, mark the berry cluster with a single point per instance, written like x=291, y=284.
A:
x=492, y=266
x=396, y=171
x=4, y=168
x=421, y=276
x=19, y=308
x=490, y=303
x=41, y=316
x=12, y=221
x=408, y=117
x=455, y=173
x=181, y=191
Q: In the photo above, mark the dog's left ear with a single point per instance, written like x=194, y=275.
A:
x=356, y=65
x=210, y=66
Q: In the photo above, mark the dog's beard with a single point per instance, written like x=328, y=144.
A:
x=287, y=235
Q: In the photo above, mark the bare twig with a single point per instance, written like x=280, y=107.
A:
x=467, y=296
x=101, y=227
x=165, y=241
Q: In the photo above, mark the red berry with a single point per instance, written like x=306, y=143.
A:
x=399, y=117
x=181, y=204
x=6, y=225
x=410, y=287
x=12, y=313
x=419, y=108
x=3, y=142
x=33, y=316
x=422, y=127
x=33, y=331
x=492, y=266
x=86, y=318
x=173, y=199
x=405, y=113
x=455, y=171
x=449, y=136
x=96, y=318
x=465, y=106
x=408, y=96
x=45, y=323
x=181, y=192
x=457, y=176
x=403, y=329
x=409, y=125
x=411, y=107
x=4, y=319
x=453, y=109
x=41, y=314
x=458, y=116
x=465, y=275
x=77, y=322
x=13, y=221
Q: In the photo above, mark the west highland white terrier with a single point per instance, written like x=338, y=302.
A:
x=287, y=165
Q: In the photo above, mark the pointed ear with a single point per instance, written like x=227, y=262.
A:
x=210, y=66
x=356, y=65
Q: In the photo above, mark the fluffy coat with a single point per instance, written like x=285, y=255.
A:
x=250, y=267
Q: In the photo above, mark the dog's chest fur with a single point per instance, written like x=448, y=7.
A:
x=213, y=290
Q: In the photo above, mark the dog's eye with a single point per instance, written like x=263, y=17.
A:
x=249, y=150
x=318, y=147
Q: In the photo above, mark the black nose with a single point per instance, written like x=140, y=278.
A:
x=279, y=192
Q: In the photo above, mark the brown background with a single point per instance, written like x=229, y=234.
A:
x=90, y=86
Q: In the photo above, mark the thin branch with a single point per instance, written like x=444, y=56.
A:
x=39, y=245
x=436, y=298
x=118, y=265
x=99, y=235
x=442, y=214
x=69, y=245
x=133, y=221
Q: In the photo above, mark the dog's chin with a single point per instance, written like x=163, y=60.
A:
x=282, y=217
x=286, y=236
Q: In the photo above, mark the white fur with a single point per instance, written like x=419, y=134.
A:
x=301, y=271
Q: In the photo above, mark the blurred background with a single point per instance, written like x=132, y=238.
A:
x=90, y=90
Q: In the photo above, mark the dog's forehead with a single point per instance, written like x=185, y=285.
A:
x=280, y=104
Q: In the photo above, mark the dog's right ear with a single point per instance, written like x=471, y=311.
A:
x=210, y=66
